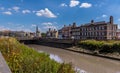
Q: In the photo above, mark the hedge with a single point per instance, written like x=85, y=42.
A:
x=101, y=46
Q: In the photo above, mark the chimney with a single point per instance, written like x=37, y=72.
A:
x=64, y=25
x=111, y=19
x=92, y=21
x=74, y=24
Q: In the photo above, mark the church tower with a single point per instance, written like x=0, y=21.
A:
x=37, y=32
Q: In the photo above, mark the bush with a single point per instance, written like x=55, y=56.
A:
x=22, y=59
x=101, y=46
x=91, y=44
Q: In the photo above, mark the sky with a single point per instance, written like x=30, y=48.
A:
x=25, y=15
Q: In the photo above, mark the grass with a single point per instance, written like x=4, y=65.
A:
x=22, y=59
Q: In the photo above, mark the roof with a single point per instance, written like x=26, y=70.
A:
x=94, y=23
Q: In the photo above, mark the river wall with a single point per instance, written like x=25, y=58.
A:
x=66, y=45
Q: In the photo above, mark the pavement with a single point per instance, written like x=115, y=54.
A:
x=3, y=65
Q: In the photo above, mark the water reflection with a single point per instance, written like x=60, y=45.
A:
x=80, y=70
x=88, y=63
x=56, y=58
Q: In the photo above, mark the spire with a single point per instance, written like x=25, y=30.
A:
x=37, y=32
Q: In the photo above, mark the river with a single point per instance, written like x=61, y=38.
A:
x=86, y=63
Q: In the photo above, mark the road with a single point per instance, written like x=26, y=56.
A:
x=88, y=63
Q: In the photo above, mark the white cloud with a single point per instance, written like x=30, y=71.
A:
x=118, y=26
x=33, y=11
x=74, y=3
x=119, y=19
x=26, y=11
x=85, y=5
x=104, y=16
x=15, y=8
x=2, y=28
x=46, y=13
x=47, y=25
x=7, y=13
x=33, y=25
x=9, y=9
x=63, y=5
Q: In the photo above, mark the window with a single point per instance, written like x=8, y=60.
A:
x=103, y=33
x=100, y=28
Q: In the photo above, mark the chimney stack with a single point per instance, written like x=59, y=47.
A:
x=74, y=24
x=92, y=21
x=111, y=19
x=64, y=25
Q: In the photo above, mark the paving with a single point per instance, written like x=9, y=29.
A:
x=3, y=65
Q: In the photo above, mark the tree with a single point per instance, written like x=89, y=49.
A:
x=43, y=35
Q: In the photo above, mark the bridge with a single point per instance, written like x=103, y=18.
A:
x=58, y=43
x=65, y=41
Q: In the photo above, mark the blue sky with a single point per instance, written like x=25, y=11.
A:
x=26, y=14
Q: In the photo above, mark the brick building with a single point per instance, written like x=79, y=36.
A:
x=118, y=34
x=66, y=32
x=96, y=30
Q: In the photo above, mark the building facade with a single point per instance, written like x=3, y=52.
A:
x=52, y=33
x=16, y=34
x=96, y=30
x=66, y=31
x=118, y=34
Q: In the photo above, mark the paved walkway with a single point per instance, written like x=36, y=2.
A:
x=3, y=66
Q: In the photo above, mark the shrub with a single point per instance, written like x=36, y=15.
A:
x=101, y=46
x=22, y=59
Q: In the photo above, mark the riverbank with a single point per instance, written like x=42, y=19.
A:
x=107, y=49
x=84, y=51
x=87, y=63
x=23, y=59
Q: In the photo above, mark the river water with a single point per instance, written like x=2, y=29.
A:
x=83, y=63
